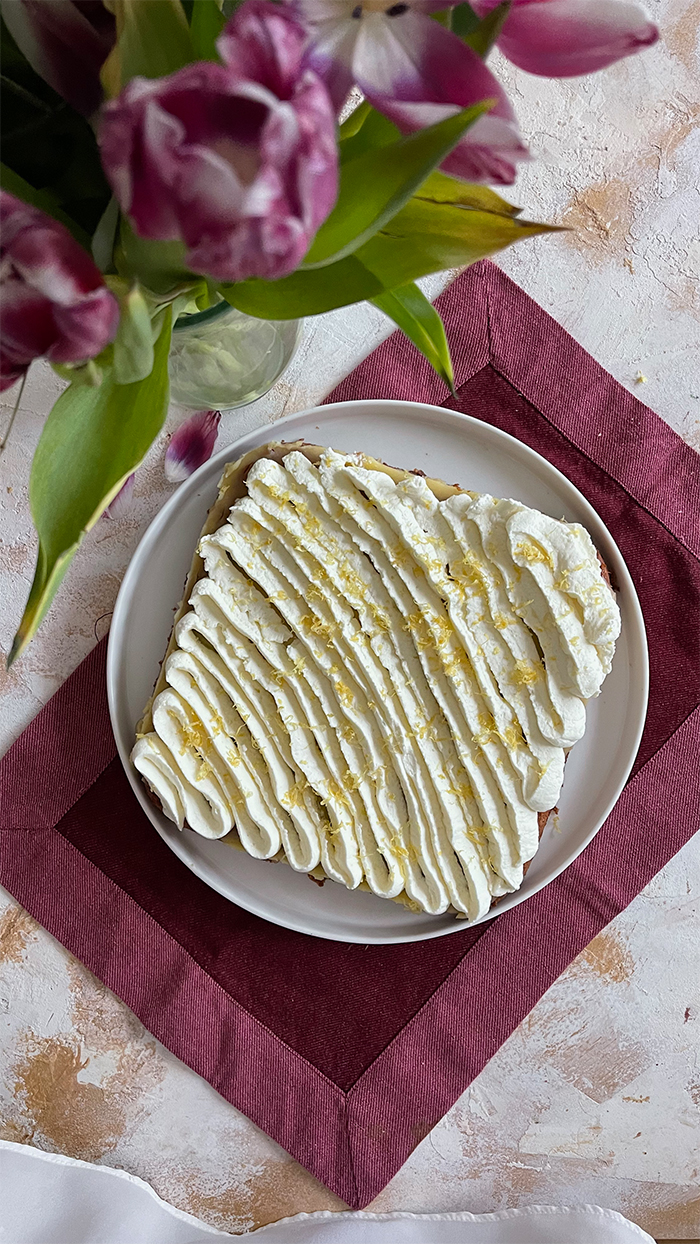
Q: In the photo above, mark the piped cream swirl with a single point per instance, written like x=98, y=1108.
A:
x=379, y=683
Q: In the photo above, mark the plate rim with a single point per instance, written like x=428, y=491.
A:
x=270, y=432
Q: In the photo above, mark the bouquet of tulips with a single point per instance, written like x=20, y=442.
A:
x=163, y=155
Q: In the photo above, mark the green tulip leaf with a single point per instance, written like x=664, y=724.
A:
x=133, y=345
x=206, y=24
x=479, y=33
x=305, y=293
x=483, y=36
x=92, y=440
x=439, y=188
x=153, y=39
x=90, y=373
x=365, y=130
x=160, y=266
x=353, y=124
x=427, y=237
x=409, y=308
x=464, y=20
x=104, y=237
x=377, y=184
x=48, y=146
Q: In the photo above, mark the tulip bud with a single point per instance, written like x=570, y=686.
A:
x=238, y=161
x=565, y=38
x=54, y=301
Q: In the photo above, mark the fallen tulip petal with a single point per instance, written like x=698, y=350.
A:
x=191, y=445
x=122, y=502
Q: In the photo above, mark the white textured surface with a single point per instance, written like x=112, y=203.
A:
x=596, y=1097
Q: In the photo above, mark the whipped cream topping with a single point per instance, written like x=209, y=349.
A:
x=380, y=683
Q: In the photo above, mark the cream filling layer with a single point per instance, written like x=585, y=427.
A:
x=381, y=683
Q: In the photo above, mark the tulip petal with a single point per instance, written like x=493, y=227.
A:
x=191, y=445
x=26, y=323
x=317, y=171
x=265, y=45
x=489, y=151
x=565, y=38
x=63, y=46
x=335, y=28
x=54, y=301
x=49, y=259
x=121, y=504
x=330, y=55
x=9, y=373
x=417, y=73
x=84, y=329
x=241, y=171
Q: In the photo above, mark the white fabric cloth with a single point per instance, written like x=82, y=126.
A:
x=46, y=1198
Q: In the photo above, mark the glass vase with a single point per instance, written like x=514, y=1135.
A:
x=222, y=358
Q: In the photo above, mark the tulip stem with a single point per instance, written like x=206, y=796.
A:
x=6, y=437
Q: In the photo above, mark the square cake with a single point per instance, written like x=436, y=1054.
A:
x=377, y=677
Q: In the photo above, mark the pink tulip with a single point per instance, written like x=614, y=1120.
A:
x=191, y=445
x=417, y=73
x=239, y=160
x=65, y=42
x=564, y=38
x=54, y=302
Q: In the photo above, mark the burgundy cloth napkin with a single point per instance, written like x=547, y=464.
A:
x=349, y=1055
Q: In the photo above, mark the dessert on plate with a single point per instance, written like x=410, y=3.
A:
x=377, y=677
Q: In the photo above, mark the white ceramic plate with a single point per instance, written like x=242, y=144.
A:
x=448, y=446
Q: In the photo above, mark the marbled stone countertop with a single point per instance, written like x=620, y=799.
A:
x=596, y=1096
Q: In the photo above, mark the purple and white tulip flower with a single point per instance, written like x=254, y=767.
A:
x=415, y=72
x=53, y=300
x=564, y=38
x=239, y=160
